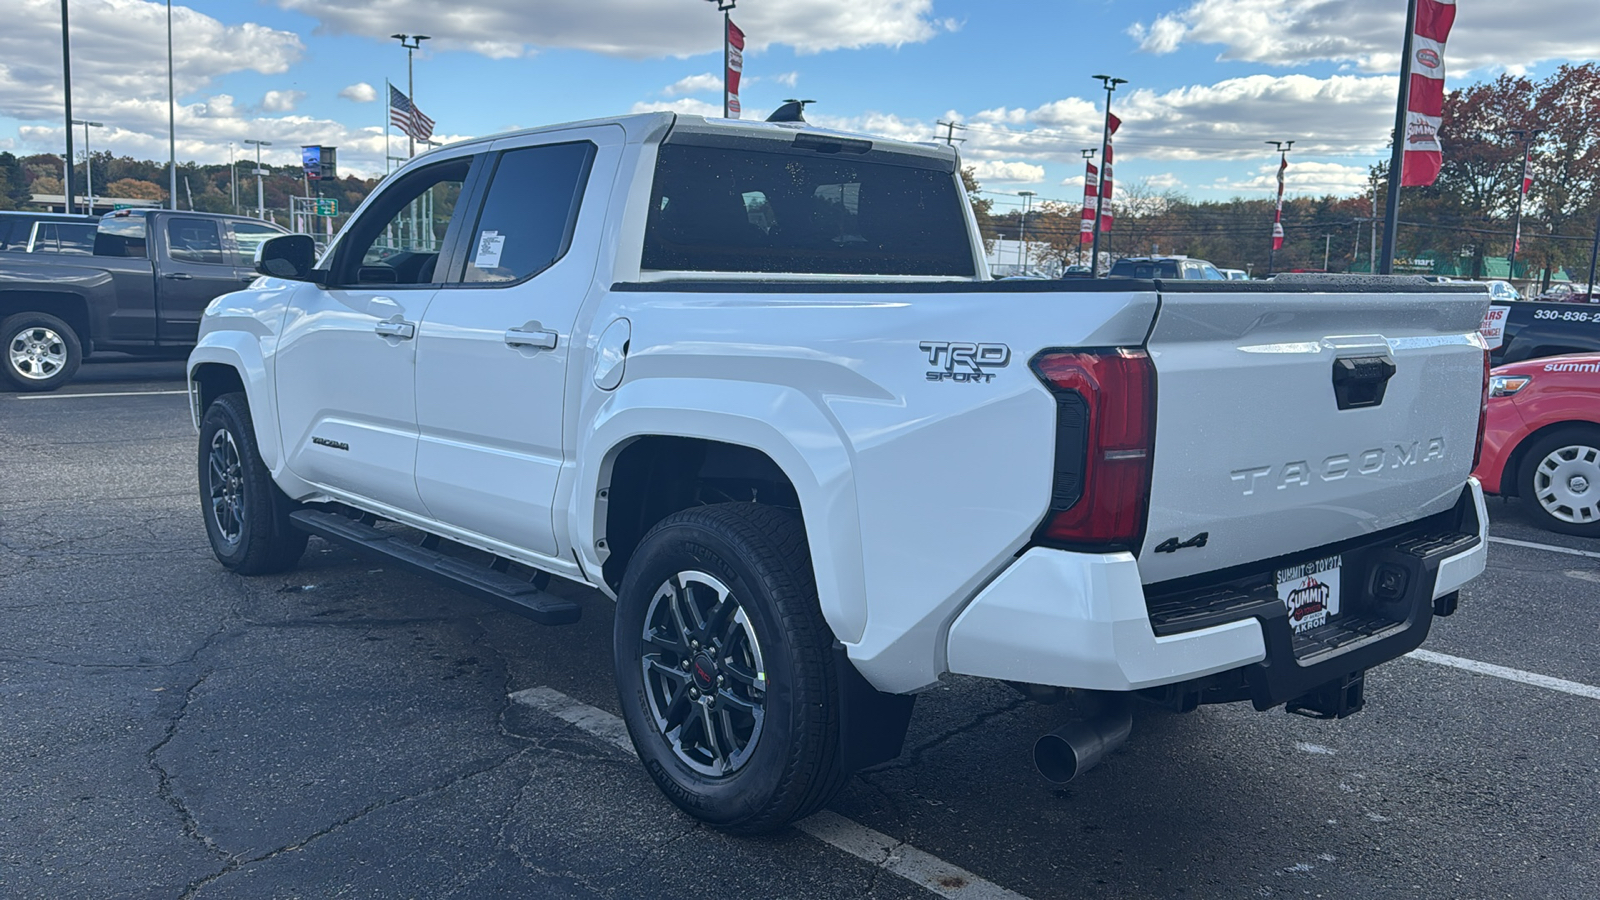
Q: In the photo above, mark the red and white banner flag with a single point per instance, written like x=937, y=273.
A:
x=1105, y=177
x=1425, y=101
x=735, y=67
x=1527, y=183
x=1091, y=190
x=1277, y=217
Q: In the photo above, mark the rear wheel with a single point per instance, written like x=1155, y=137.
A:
x=724, y=667
x=1561, y=479
x=247, y=516
x=42, y=352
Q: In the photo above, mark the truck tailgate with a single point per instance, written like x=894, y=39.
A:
x=1279, y=428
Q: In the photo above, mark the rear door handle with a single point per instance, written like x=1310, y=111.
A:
x=539, y=340
x=405, y=331
x=178, y=276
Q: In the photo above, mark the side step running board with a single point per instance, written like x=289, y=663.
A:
x=485, y=583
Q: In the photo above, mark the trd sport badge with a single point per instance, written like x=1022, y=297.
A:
x=965, y=363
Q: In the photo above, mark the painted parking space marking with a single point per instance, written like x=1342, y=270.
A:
x=103, y=394
x=1575, y=688
x=1553, y=549
x=848, y=835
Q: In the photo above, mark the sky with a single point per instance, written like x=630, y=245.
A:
x=1208, y=81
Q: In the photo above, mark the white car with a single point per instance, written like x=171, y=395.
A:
x=753, y=381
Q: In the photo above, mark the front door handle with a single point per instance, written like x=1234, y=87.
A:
x=405, y=331
x=178, y=276
x=538, y=340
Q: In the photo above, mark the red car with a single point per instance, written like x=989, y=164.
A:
x=1541, y=440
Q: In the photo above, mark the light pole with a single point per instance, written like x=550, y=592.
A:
x=261, y=196
x=726, y=8
x=66, y=80
x=1526, y=136
x=415, y=44
x=172, y=122
x=1022, y=250
x=1099, y=199
x=1283, y=148
x=1327, y=244
x=88, y=162
x=233, y=179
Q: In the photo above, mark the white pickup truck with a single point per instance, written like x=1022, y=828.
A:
x=752, y=380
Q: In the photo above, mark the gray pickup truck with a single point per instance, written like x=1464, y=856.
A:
x=142, y=291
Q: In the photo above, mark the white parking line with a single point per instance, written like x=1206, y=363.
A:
x=1553, y=549
x=832, y=829
x=1482, y=668
x=106, y=394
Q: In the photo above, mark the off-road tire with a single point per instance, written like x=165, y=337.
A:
x=252, y=536
x=793, y=767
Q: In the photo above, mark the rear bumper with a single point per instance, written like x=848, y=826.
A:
x=1082, y=620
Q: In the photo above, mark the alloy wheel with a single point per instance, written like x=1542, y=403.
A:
x=37, y=353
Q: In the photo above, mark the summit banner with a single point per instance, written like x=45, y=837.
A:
x=1424, y=155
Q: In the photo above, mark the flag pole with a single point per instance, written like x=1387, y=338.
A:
x=1110, y=85
x=1391, y=216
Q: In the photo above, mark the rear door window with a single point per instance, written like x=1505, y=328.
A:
x=529, y=212
x=717, y=209
x=63, y=237
x=247, y=236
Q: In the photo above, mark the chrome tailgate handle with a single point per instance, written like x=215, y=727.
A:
x=405, y=331
x=538, y=340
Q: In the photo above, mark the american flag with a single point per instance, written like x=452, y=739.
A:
x=406, y=117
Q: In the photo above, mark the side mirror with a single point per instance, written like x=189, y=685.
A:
x=290, y=256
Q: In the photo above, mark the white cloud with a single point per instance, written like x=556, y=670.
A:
x=360, y=92
x=787, y=79
x=987, y=170
x=1302, y=178
x=282, y=101
x=1367, y=34
x=686, y=105
x=633, y=28
x=694, y=84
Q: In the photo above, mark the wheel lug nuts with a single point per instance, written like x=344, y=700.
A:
x=684, y=665
x=695, y=693
x=720, y=679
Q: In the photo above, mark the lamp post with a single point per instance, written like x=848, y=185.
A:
x=1526, y=136
x=726, y=8
x=66, y=80
x=172, y=123
x=1327, y=245
x=1022, y=250
x=415, y=44
x=233, y=179
x=88, y=163
x=1110, y=84
x=261, y=196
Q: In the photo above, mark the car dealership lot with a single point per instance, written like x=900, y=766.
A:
x=174, y=730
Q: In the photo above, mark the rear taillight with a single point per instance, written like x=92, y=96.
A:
x=1483, y=414
x=1105, y=438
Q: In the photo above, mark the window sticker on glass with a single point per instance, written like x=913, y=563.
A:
x=490, y=244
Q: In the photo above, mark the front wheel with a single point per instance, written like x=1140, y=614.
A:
x=42, y=352
x=1561, y=477
x=247, y=516
x=724, y=667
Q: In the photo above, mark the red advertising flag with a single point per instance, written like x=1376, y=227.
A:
x=735, y=67
x=1527, y=171
x=1106, y=184
x=1424, y=156
x=1091, y=190
x=1277, y=216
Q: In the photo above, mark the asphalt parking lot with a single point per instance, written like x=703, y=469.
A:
x=172, y=730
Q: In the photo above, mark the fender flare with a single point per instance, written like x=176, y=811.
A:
x=241, y=352
x=781, y=422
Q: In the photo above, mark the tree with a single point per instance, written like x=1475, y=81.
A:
x=980, y=205
x=133, y=189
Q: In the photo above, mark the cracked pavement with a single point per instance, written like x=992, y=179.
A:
x=174, y=731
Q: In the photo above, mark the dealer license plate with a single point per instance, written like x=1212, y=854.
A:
x=1310, y=592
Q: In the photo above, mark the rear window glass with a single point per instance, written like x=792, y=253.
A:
x=121, y=236
x=1144, y=268
x=737, y=210
x=195, y=241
